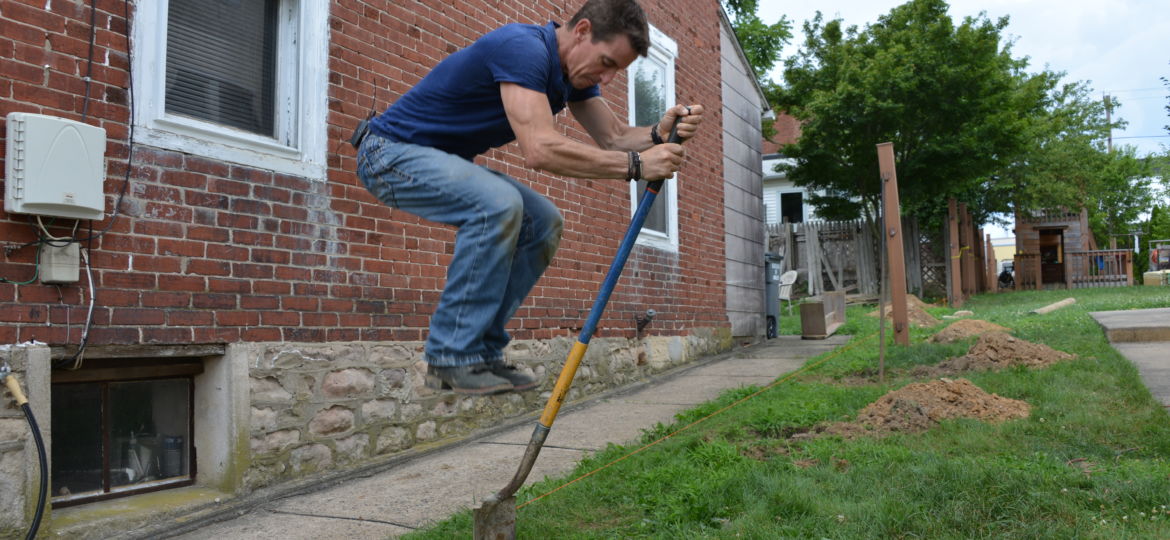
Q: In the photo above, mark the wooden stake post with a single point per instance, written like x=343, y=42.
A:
x=966, y=251
x=992, y=276
x=892, y=238
x=953, y=266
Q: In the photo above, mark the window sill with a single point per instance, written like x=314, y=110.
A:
x=107, y=519
x=268, y=156
x=657, y=241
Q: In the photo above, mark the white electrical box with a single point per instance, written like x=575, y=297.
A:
x=54, y=167
x=59, y=264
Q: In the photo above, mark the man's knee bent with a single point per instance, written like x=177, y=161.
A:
x=507, y=211
x=554, y=226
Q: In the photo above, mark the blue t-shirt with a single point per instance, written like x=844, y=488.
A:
x=457, y=107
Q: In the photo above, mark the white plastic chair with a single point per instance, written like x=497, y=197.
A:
x=787, y=279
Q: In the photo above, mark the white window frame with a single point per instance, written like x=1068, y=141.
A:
x=663, y=49
x=299, y=147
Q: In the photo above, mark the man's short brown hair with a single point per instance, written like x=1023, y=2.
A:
x=611, y=18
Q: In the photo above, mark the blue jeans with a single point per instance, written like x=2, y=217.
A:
x=507, y=237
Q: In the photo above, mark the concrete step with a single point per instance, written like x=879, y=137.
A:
x=1135, y=325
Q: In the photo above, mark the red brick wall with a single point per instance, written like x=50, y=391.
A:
x=205, y=251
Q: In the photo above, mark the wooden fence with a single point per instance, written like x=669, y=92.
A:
x=969, y=261
x=843, y=255
x=1027, y=269
x=1102, y=268
x=1082, y=269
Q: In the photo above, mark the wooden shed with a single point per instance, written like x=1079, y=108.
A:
x=1056, y=248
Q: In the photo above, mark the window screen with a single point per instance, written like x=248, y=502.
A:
x=221, y=62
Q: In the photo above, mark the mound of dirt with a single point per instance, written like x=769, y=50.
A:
x=965, y=328
x=915, y=312
x=918, y=407
x=995, y=350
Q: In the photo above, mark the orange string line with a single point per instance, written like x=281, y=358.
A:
x=703, y=419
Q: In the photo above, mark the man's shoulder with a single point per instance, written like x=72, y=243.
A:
x=514, y=34
x=516, y=53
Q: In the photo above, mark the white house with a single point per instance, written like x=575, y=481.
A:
x=783, y=200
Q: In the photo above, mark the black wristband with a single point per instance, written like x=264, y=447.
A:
x=654, y=136
x=629, y=165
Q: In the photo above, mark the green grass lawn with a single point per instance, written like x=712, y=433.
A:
x=1090, y=461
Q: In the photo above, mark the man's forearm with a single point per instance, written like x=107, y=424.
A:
x=563, y=156
x=635, y=138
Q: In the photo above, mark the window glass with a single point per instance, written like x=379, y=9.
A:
x=113, y=438
x=221, y=62
x=649, y=105
x=77, y=439
x=149, y=423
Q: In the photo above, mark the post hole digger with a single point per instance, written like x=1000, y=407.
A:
x=495, y=519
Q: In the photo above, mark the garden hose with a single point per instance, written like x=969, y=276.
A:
x=21, y=401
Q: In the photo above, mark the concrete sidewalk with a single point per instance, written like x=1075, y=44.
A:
x=1143, y=337
x=431, y=487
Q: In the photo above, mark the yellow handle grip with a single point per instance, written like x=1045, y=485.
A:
x=14, y=387
x=561, y=389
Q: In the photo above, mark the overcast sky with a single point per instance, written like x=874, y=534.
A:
x=1121, y=47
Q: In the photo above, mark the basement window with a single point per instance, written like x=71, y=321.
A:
x=122, y=427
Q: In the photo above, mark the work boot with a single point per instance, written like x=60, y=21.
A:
x=521, y=380
x=475, y=379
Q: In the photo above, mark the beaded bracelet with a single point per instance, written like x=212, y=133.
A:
x=634, y=171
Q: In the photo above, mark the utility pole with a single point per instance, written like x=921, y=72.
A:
x=1109, y=122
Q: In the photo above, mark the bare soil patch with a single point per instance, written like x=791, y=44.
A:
x=965, y=328
x=915, y=312
x=918, y=407
x=995, y=350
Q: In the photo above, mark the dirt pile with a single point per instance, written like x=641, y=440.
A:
x=965, y=328
x=918, y=407
x=915, y=312
x=995, y=350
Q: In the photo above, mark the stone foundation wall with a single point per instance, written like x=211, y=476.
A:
x=268, y=413
x=18, y=453
x=319, y=407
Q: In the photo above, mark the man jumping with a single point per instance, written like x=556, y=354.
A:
x=506, y=86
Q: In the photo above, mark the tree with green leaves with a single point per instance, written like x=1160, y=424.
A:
x=1068, y=165
x=1159, y=224
x=951, y=98
x=1065, y=158
x=1120, y=194
x=1157, y=227
x=761, y=42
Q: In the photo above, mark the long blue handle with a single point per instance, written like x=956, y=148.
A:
x=504, y=501
x=619, y=260
x=627, y=245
